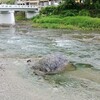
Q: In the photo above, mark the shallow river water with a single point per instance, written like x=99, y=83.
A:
x=81, y=48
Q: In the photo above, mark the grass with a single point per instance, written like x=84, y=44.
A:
x=20, y=16
x=75, y=22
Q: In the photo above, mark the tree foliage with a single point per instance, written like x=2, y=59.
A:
x=87, y=2
x=7, y=1
x=69, y=1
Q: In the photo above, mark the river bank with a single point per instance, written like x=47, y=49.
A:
x=70, y=22
x=16, y=83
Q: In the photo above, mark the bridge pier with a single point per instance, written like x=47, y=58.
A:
x=7, y=13
x=30, y=14
x=7, y=18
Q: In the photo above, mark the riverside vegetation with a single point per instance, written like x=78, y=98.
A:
x=70, y=22
x=70, y=15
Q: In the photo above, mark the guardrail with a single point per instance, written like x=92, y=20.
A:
x=17, y=6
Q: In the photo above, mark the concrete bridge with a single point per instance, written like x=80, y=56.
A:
x=7, y=12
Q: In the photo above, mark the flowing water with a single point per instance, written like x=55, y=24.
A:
x=81, y=48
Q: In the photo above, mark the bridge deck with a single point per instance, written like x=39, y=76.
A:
x=18, y=7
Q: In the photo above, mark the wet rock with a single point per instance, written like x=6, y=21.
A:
x=83, y=65
x=51, y=64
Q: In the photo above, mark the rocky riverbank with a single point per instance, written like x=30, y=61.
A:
x=17, y=84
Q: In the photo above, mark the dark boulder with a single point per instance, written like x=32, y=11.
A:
x=52, y=64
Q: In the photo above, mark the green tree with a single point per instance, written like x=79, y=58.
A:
x=87, y=2
x=69, y=1
x=10, y=1
x=7, y=1
x=95, y=1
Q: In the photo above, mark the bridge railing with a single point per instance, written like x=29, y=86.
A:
x=17, y=6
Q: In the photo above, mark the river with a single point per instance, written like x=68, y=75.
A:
x=17, y=44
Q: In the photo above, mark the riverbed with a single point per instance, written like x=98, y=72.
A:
x=20, y=43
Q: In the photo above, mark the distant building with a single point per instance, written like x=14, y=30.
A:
x=79, y=1
x=38, y=2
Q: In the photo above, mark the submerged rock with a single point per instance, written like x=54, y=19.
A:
x=51, y=64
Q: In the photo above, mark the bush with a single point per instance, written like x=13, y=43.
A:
x=97, y=5
x=68, y=13
x=72, y=10
x=84, y=13
x=47, y=10
x=83, y=22
x=20, y=15
x=95, y=13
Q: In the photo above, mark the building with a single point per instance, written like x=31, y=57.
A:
x=79, y=1
x=42, y=3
